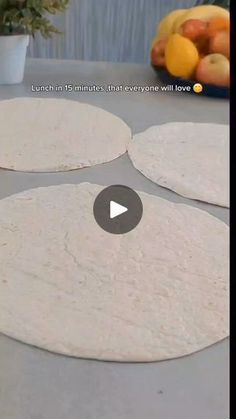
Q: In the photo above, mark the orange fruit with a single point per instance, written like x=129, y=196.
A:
x=218, y=24
x=182, y=56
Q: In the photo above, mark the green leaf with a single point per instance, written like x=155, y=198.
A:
x=29, y=16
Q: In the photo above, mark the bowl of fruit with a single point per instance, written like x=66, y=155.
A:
x=192, y=48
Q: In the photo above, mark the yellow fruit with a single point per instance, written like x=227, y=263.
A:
x=182, y=56
x=165, y=28
x=204, y=12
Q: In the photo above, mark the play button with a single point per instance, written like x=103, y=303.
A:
x=118, y=209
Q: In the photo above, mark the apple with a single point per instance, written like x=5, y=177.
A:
x=220, y=43
x=193, y=29
x=158, y=53
x=214, y=69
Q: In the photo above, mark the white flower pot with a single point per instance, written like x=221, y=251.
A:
x=13, y=50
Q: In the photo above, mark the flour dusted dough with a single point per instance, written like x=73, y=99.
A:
x=49, y=135
x=158, y=292
x=191, y=159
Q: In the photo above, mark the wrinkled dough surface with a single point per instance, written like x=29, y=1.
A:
x=192, y=159
x=158, y=292
x=50, y=135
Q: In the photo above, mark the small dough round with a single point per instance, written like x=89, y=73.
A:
x=158, y=292
x=191, y=159
x=51, y=135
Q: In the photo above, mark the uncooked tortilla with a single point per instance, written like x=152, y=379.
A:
x=50, y=135
x=191, y=159
x=158, y=292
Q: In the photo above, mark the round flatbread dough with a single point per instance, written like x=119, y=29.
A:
x=50, y=135
x=158, y=292
x=189, y=158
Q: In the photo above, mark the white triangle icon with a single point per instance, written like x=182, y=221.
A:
x=116, y=209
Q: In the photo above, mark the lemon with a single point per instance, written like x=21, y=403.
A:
x=181, y=55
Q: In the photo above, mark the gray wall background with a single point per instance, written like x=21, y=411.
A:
x=106, y=30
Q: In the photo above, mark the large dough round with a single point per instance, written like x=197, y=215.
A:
x=49, y=135
x=158, y=292
x=191, y=159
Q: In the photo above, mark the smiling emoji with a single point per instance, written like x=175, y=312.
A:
x=198, y=88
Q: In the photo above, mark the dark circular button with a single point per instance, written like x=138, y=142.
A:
x=118, y=209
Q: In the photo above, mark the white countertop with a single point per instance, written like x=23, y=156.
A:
x=35, y=384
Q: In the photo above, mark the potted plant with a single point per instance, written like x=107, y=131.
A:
x=19, y=19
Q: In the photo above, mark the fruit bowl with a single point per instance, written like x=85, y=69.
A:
x=208, y=89
x=192, y=46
